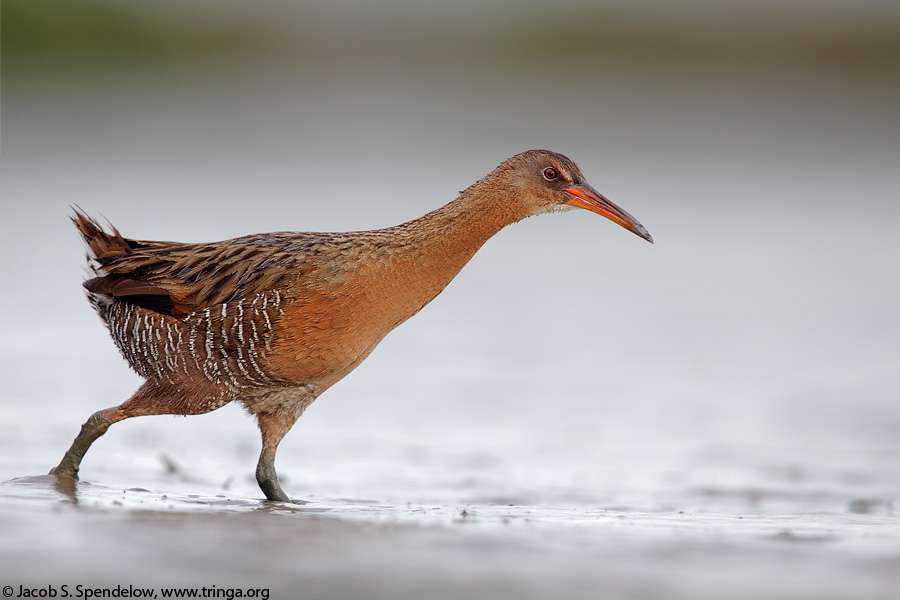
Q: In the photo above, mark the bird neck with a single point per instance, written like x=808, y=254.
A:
x=453, y=233
x=425, y=254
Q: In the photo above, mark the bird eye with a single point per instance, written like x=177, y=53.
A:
x=550, y=174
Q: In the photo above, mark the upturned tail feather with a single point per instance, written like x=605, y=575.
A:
x=104, y=246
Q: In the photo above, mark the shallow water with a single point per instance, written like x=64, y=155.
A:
x=580, y=414
x=345, y=548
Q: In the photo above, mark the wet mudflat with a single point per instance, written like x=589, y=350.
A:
x=346, y=548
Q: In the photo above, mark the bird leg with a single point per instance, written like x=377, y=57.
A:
x=273, y=426
x=268, y=478
x=149, y=399
x=93, y=428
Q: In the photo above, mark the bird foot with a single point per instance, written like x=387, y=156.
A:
x=267, y=478
x=65, y=469
x=273, y=491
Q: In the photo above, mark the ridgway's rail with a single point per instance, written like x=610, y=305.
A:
x=273, y=320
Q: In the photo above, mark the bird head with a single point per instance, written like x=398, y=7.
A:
x=549, y=182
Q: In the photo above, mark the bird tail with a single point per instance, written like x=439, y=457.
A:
x=102, y=246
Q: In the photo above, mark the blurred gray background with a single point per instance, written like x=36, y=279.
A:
x=746, y=364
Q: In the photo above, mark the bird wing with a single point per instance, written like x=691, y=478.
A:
x=179, y=279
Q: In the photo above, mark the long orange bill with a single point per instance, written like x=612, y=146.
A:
x=584, y=196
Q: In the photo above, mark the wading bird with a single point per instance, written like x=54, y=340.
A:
x=273, y=320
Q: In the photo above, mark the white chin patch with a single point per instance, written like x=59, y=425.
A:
x=557, y=208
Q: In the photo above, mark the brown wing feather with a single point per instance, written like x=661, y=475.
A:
x=114, y=285
x=178, y=279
